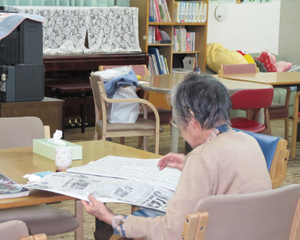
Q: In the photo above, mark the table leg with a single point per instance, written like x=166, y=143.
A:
x=79, y=216
x=174, y=139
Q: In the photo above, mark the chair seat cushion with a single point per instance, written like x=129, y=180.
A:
x=42, y=219
x=247, y=125
x=165, y=115
x=140, y=124
x=277, y=110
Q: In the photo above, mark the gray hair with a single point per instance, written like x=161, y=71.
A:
x=202, y=97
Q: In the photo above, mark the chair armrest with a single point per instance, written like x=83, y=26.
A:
x=47, y=131
x=279, y=165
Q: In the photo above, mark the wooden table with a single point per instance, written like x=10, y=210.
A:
x=49, y=110
x=164, y=83
x=21, y=161
x=277, y=79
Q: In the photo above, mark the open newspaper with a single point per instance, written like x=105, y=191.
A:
x=116, y=179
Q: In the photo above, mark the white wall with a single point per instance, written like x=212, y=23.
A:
x=250, y=27
x=289, y=46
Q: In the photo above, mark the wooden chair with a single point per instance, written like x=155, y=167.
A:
x=252, y=100
x=279, y=111
x=17, y=230
x=237, y=68
x=142, y=127
x=276, y=155
x=165, y=115
x=296, y=120
x=272, y=214
x=20, y=132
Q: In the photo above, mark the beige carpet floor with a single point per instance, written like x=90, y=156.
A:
x=74, y=134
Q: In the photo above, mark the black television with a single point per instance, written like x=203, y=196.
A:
x=21, y=63
x=24, y=45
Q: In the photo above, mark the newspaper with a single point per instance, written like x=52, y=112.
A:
x=133, y=181
x=131, y=168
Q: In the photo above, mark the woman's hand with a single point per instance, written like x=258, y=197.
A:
x=98, y=209
x=173, y=160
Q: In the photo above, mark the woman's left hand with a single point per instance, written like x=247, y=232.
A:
x=98, y=209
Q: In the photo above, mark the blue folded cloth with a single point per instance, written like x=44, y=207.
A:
x=112, y=85
x=13, y=21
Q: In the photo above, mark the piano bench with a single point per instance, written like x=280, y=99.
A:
x=74, y=94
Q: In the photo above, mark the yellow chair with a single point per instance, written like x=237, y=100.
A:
x=142, y=127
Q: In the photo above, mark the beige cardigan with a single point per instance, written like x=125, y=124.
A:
x=231, y=163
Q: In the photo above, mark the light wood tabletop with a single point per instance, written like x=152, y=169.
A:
x=272, y=78
x=164, y=83
x=16, y=162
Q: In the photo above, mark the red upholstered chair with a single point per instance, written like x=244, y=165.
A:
x=252, y=100
x=277, y=111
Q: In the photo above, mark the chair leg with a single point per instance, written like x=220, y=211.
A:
x=294, y=138
x=96, y=135
x=287, y=129
x=145, y=143
x=140, y=143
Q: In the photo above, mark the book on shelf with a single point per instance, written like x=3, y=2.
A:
x=159, y=11
x=190, y=11
x=151, y=11
x=133, y=181
x=10, y=189
x=155, y=52
x=185, y=40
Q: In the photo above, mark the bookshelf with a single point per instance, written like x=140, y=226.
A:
x=174, y=59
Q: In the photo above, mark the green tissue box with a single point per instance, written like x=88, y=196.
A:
x=47, y=149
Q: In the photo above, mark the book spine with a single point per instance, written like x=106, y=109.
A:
x=188, y=41
x=167, y=10
x=151, y=17
x=162, y=11
x=157, y=34
x=157, y=11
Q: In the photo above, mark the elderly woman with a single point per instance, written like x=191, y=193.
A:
x=223, y=161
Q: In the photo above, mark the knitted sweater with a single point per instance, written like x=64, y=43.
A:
x=231, y=163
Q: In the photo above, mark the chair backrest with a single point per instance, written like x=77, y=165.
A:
x=252, y=98
x=272, y=214
x=138, y=69
x=20, y=131
x=276, y=155
x=237, y=68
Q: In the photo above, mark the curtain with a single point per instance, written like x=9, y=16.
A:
x=80, y=3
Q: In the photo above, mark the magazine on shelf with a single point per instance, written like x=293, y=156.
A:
x=116, y=179
x=10, y=189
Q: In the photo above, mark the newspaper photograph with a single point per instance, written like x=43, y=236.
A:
x=131, y=168
x=105, y=189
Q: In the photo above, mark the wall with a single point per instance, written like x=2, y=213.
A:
x=250, y=27
x=289, y=47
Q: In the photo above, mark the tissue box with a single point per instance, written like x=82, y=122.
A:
x=47, y=149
